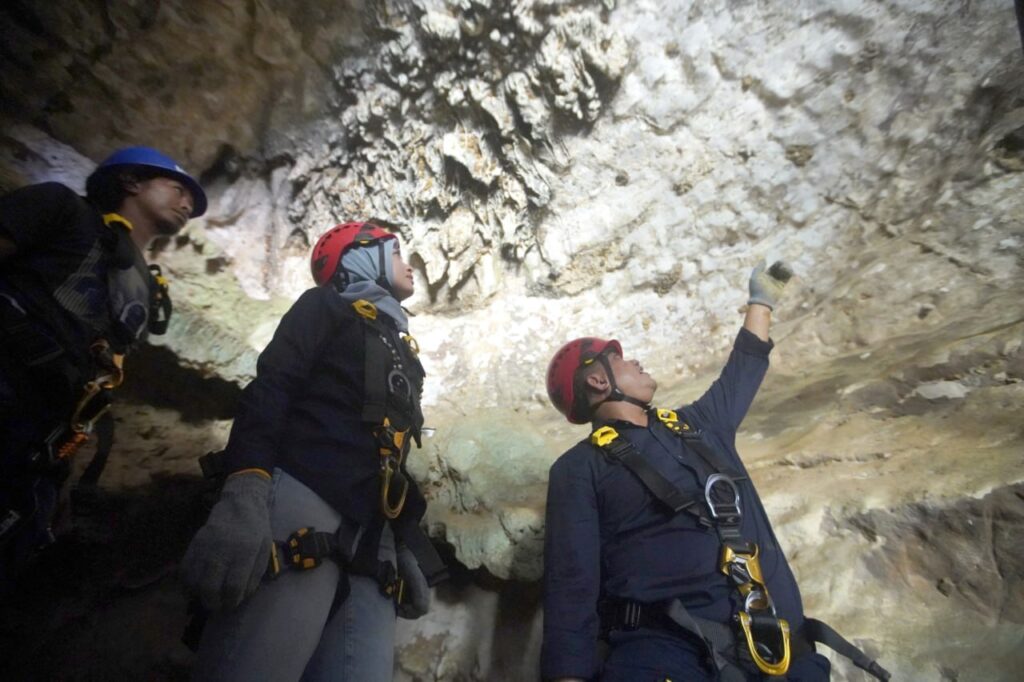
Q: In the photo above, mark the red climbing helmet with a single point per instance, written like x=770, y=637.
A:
x=562, y=370
x=333, y=244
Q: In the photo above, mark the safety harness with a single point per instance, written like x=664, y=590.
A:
x=38, y=338
x=393, y=380
x=758, y=638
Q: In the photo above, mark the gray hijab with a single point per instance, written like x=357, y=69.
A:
x=363, y=268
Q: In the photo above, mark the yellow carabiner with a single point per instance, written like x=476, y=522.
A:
x=751, y=562
x=764, y=666
x=389, y=511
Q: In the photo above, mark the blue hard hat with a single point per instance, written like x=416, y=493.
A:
x=147, y=156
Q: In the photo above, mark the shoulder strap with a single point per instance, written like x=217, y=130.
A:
x=376, y=363
x=160, y=306
x=694, y=439
x=619, y=449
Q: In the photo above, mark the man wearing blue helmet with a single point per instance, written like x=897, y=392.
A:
x=76, y=294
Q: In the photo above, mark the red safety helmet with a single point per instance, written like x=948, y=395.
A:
x=333, y=244
x=562, y=370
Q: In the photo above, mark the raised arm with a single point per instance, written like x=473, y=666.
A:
x=758, y=320
x=725, y=404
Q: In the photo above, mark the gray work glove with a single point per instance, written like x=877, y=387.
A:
x=228, y=557
x=416, y=600
x=766, y=284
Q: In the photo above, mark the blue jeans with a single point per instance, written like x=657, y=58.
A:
x=285, y=631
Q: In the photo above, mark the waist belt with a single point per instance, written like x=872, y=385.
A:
x=719, y=641
x=307, y=548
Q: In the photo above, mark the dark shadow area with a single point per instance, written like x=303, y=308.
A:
x=154, y=377
x=971, y=551
x=103, y=603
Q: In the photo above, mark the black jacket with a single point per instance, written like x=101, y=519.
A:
x=303, y=411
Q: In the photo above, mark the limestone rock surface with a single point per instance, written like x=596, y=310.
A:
x=560, y=168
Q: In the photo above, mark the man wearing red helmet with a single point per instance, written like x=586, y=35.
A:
x=317, y=511
x=656, y=540
x=76, y=293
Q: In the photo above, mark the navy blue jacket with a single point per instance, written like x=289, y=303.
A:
x=303, y=410
x=607, y=536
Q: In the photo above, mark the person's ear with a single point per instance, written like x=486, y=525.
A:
x=131, y=183
x=597, y=382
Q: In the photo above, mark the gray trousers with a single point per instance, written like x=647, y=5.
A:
x=285, y=631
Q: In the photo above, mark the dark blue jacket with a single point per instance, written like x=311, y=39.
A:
x=606, y=535
x=303, y=410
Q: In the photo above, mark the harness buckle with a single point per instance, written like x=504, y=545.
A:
x=390, y=583
x=604, y=436
x=306, y=549
x=631, y=615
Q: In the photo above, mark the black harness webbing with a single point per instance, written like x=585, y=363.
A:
x=408, y=530
x=376, y=367
x=817, y=631
x=621, y=450
x=392, y=377
x=720, y=640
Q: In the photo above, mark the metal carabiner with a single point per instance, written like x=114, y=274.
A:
x=714, y=479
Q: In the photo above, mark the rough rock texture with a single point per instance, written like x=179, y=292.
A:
x=198, y=79
x=560, y=168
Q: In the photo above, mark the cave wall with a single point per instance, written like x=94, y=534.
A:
x=560, y=168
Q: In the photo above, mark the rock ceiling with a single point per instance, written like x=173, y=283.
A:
x=564, y=167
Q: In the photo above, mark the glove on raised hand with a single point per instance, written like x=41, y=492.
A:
x=416, y=601
x=766, y=284
x=228, y=557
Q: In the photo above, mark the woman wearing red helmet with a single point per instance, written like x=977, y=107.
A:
x=317, y=511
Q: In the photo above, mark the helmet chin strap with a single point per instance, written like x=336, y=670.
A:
x=382, y=281
x=616, y=394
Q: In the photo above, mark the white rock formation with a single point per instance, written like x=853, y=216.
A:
x=562, y=168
